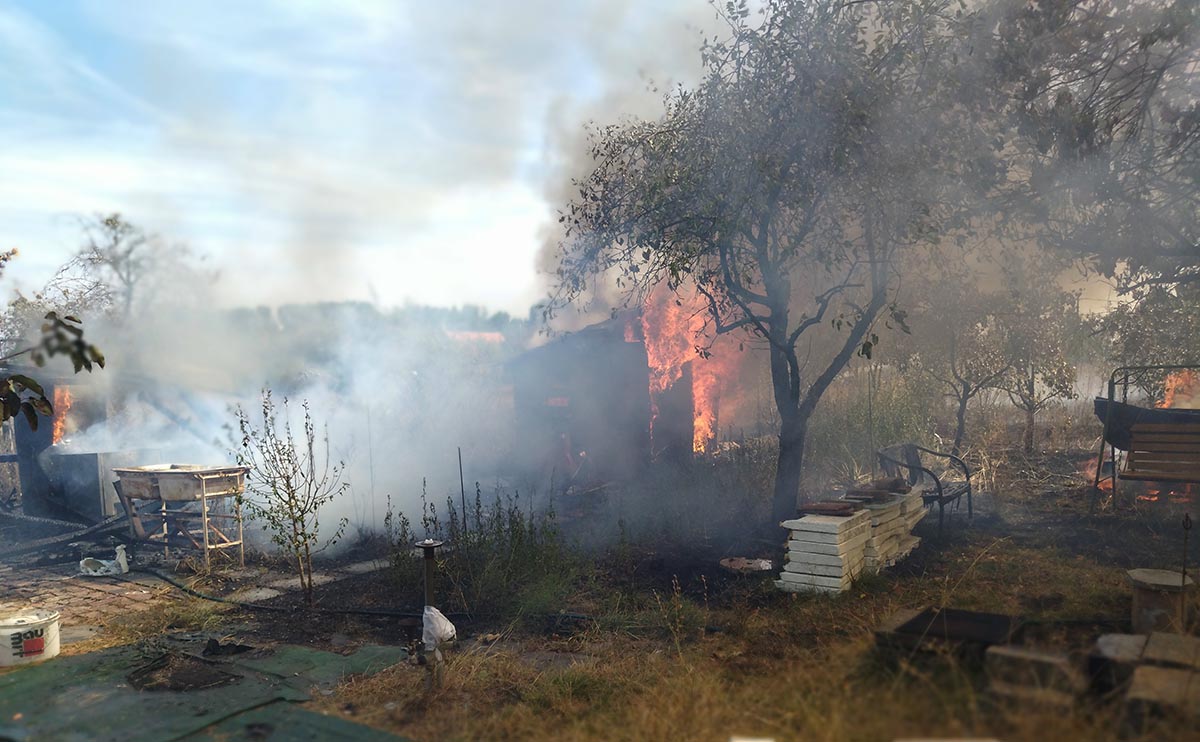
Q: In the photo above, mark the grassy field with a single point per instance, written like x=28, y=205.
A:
x=678, y=650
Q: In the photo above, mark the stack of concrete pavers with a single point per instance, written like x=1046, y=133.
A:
x=824, y=552
x=890, y=538
x=912, y=509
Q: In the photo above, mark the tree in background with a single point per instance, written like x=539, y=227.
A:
x=121, y=269
x=960, y=344
x=826, y=140
x=1035, y=315
x=1108, y=126
x=21, y=394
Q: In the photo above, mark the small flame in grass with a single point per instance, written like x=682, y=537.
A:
x=62, y=407
x=1087, y=469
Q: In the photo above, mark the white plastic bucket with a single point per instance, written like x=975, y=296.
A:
x=29, y=636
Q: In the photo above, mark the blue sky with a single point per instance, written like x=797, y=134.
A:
x=347, y=149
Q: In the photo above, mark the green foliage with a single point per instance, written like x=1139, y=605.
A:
x=290, y=481
x=502, y=558
x=23, y=395
x=864, y=412
x=1161, y=327
x=1106, y=123
x=785, y=189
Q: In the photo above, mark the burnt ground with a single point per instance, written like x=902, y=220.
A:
x=1041, y=504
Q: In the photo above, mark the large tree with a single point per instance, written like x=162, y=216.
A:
x=826, y=140
x=1108, y=117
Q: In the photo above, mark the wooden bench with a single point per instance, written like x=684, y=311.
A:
x=1163, y=452
x=940, y=488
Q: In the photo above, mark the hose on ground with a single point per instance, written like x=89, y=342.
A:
x=287, y=609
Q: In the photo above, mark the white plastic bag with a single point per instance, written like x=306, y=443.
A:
x=89, y=567
x=436, y=629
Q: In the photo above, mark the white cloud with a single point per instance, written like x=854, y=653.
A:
x=316, y=147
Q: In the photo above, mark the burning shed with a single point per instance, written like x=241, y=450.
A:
x=65, y=467
x=582, y=402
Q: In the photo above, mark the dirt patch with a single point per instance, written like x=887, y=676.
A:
x=176, y=672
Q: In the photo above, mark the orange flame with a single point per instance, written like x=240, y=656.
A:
x=1181, y=390
x=673, y=328
x=1087, y=468
x=62, y=406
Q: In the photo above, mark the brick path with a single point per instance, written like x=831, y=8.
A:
x=94, y=601
x=90, y=601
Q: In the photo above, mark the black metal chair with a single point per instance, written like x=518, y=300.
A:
x=905, y=460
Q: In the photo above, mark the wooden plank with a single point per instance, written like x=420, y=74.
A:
x=1156, y=455
x=1181, y=447
x=1163, y=466
x=1150, y=462
x=1161, y=477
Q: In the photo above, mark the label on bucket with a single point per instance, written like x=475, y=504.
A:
x=28, y=637
x=28, y=643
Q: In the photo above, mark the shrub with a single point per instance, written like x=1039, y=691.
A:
x=500, y=559
x=289, y=482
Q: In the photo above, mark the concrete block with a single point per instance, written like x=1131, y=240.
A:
x=1111, y=662
x=1172, y=650
x=821, y=537
x=854, y=543
x=827, y=560
x=796, y=587
x=1158, y=599
x=1162, y=691
x=840, y=583
x=1010, y=667
x=851, y=570
x=826, y=523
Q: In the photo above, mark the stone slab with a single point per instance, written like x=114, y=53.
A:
x=293, y=583
x=794, y=587
x=855, y=544
x=863, y=529
x=826, y=523
x=1029, y=668
x=826, y=560
x=1172, y=650
x=1164, y=580
x=255, y=594
x=1163, y=690
x=822, y=570
x=802, y=579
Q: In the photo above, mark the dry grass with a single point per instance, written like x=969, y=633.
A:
x=787, y=667
x=174, y=614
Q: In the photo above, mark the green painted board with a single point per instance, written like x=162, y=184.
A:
x=88, y=697
x=287, y=722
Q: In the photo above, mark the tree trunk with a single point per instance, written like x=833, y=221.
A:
x=1029, y=424
x=788, y=467
x=960, y=429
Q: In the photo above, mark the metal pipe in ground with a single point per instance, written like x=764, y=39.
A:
x=429, y=548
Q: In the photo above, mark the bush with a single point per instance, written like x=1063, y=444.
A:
x=500, y=559
x=864, y=412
